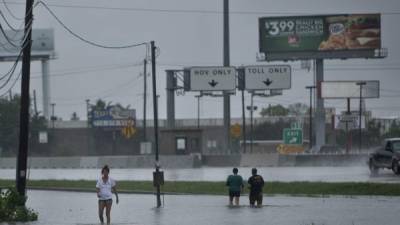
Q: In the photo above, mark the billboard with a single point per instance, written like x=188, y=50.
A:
x=325, y=36
x=349, y=89
x=113, y=117
x=42, y=43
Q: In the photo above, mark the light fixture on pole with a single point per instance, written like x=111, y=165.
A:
x=361, y=84
x=251, y=108
x=310, y=135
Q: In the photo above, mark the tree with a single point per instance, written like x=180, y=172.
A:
x=394, y=130
x=298, y=109
x=277, y=110
x=74, y=117
x=9, y=125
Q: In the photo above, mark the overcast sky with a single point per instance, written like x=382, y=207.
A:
x=189, y=33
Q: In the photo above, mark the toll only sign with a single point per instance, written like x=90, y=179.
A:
x=274, y=77
x=210, y=79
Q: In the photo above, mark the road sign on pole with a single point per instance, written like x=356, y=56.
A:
x=292, y=136
x=210, y=79
x=266, y=77
x=236, y=130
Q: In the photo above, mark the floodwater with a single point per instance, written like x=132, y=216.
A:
x=67, y=208
x=285, y=174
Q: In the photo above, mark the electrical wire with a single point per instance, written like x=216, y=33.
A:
x=10, y=12
x=85, y=40
x=11, y=40
x=12, y=86
x=192, y=11
x=5, y=20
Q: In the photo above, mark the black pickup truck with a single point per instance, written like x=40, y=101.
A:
x=387, y=156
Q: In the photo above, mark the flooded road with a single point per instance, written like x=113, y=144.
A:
x=67, y=208
x=285, y=174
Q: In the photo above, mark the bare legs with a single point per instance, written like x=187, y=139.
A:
x=107, y=205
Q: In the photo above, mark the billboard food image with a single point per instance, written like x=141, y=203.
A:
x=352, y=32
x=315, y=35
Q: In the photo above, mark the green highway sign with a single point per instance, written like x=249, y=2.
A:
x=292, y=136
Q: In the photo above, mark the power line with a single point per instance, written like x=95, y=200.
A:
x=11, y=13
x=191, y=11
x=88, y=41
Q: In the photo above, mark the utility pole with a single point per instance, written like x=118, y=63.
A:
x=251, y=108
x=34, y=103
x=227, y=100
x=243, y=123
x=155, y=110
x=24, y=111
x=87, y=111
x=348, y=136
x=144, y=98
x=53, y=118
x=198, y=111
x=310, y=135
x=361, y=83
x=88, y=125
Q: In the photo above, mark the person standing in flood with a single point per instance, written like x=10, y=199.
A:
x=256, y=183
x=105, y=187
x=235, y=184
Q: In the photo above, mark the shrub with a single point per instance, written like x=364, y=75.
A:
x=12, y=207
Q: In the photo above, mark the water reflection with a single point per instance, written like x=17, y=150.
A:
x=67, y=208
x=329, y=174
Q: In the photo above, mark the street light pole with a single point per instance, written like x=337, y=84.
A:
x=251, y=108
x=52, y=114
x=198, y=111
x=361, y=83
x=310, y=123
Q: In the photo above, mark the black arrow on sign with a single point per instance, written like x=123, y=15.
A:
x=267, y=82
x=213, y=83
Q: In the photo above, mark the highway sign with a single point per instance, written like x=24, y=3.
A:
x=349, y=89
x=292, y=136
x=210, y=79
x=274, y=77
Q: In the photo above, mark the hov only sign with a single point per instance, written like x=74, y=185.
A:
x=266, y=77
x=210, y=79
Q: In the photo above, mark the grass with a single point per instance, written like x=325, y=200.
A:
x=219, y=188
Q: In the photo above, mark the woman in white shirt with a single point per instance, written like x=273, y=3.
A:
x=105, y=187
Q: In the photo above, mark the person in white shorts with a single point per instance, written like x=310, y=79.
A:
x=105, y=187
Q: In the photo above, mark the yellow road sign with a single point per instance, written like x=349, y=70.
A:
x=128, y=131
x=236, y=130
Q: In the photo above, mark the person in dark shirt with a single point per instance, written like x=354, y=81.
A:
x=256, y=184
x=235, y=184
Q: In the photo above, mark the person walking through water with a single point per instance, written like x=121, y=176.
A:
x=256, y=183
x=105, y=187
x=235, y=184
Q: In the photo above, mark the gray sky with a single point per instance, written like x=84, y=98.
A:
x=189, y=33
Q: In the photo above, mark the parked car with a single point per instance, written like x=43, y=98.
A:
x=387, y=156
